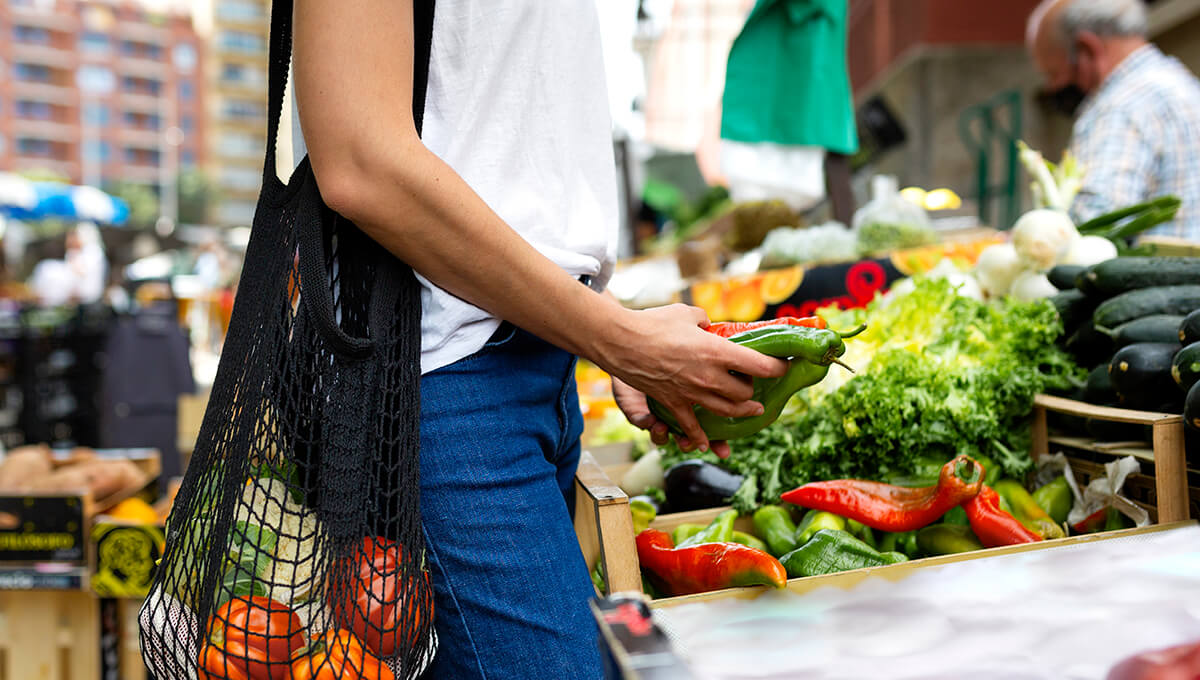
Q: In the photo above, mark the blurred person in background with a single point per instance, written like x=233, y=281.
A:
x=1137, y=133
x=79, y=277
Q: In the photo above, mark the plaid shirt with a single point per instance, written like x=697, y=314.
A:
x=1138, y=137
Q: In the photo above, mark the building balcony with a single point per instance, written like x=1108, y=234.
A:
x=145, y=174
x=67, y=22
x=45, y=92
x=141, y=138
x=69, y=168
x=142, y=103
x=142, y=67
x=143, y=32
x=43, y=54
x=48, y=129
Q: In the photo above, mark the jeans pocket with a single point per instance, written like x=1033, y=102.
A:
x=503, y=335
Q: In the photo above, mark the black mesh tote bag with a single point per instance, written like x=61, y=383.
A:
x=294, y=548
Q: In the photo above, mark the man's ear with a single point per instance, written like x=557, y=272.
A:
x=1089, y=56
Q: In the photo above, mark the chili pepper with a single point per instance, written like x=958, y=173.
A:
x=1115, y=520
x=993, y=526
x=1092, y=523
x=643, y=514
x=893, y=508
x=774, y=523
x=719, y=531
x=810, y=350
x=1055, y=498
x=727, y=329
x=991, y=471
x=254, y=636
x=338, y=655
x=707, y=566
x=830, y=551
x=946, y=539
x=1026, y=509
x=684, y=531
x=862, y=532
x=743, y=538
x=816, y=520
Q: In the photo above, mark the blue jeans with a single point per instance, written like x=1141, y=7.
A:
x=499, y=447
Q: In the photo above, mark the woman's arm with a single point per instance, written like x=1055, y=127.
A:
x=353, y=68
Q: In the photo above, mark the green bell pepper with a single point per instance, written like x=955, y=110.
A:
x=685, y=531
x=862, y=532
x=947, y=539
x=750, y=541
x=774, y=523
x=643, y=514
x=815, y=520
x=1055, y=498
x=720, y=531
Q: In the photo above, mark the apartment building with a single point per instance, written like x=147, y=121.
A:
x=236, y=70
x=101, y=91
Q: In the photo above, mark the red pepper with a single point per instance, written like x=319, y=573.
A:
x=251, y=637
x=727, y=329
x=993, y=526
x=707, y=566
x=373, y=598
x=893, y=508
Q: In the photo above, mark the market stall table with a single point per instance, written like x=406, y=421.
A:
x=1070, y=611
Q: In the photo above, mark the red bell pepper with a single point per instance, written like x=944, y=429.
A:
x=707, y=566
x=993, y=526
x=727, y=329
x=251, y=637
x=893, y=508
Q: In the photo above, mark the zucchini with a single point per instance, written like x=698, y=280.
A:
x=1089, y=346
x=1163, y=328
x=1074, y=308
x=1063, y=276
x=1146, y=301
x=1185, y=368
x=1123, y=274
x=1189, y=328
x=1141, y=376
x=1099, y=389
x=1191, y=408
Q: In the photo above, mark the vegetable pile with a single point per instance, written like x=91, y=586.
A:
x=939, y=375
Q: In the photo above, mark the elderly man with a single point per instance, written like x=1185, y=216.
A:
x=1138, y=130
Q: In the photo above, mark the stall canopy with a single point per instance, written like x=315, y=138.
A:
x=28, y=200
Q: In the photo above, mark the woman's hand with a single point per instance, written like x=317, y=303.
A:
x=665, y=353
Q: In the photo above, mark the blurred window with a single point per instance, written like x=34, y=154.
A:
x=242, y=74
x=95, y=114
x=239, y=10
x=184, y=56
x=186, y=91
x=242, y=41
x=96, y=78
x=95, y=43
x=187, y=158
x=36, y=73
x=243, y=110
x=96, y=150
x=34, y=109
x=241, y=144
x=243, y=179
x=237, y=212
x=186, y=123
x=34, y=35
x=33, y=146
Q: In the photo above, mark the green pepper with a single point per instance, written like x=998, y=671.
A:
x=991, y=471
x=861, y=531
x=598, y=577
x=893, y=557
x=947, y=539
x=683, y=532
x=1026, y=509
x=816, y=520
x=774, y=523
x=886, y=541
x=1055, y=498
x=810, y=352
x=830, y=551
x=643, y=514
x=957, y=515
x=1115, y=520
x=720, y=531
x=907, y=542
x=750, y=541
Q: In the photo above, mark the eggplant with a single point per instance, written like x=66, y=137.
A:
x=697, y=485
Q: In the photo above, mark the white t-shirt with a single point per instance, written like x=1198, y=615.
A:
x=517, y=106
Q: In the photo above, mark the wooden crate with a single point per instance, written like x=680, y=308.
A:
x=49, y=635
x=604, y=526
x=1165, y=492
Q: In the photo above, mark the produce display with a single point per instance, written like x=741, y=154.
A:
x=37, y=469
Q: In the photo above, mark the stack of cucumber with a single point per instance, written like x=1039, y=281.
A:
x=1135, y=321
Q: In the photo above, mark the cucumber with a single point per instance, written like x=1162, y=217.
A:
x=1063, y=276
x=1123, y=274
x=1162, y=328
x=1191, y=408
x=1189, y=328
x=1141, y=376
x=1074, y=308
x=1146, y=301
x=1099, y=389
x=1185, y=368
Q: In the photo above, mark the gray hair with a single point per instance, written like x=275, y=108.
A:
x=1105, y=18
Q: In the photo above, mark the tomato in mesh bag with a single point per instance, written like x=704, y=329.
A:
x=251, y=638
x=371, y=596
